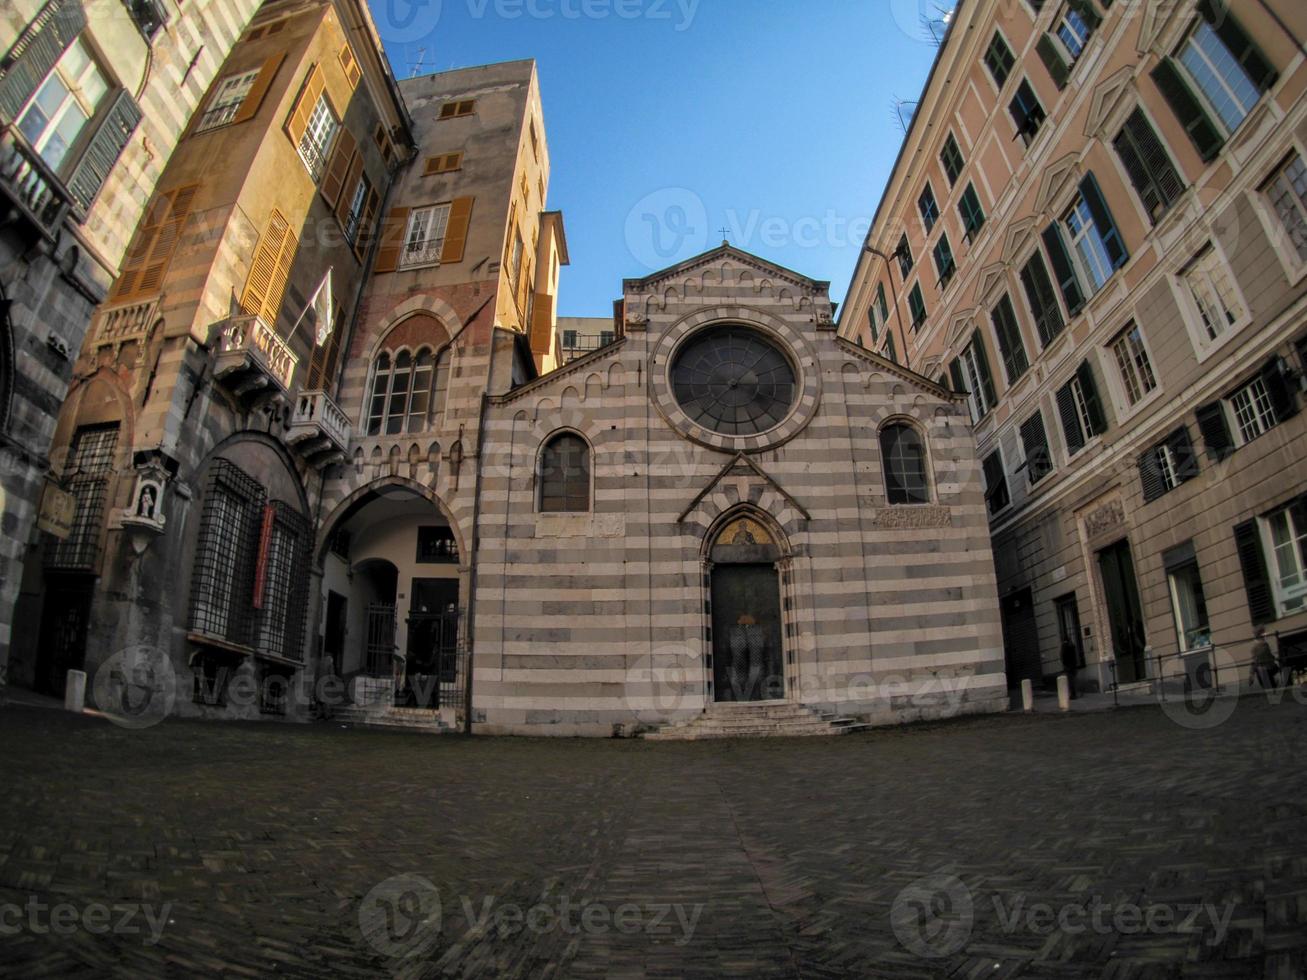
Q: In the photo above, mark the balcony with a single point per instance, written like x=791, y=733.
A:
x=319, y=430
x=253, y=362
x=116, y=326
x=35, y=192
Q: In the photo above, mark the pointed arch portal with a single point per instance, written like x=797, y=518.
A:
x=748, y=656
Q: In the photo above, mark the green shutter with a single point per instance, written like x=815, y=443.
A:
x=1182, y=450
x=1010, y=347
x=1242, y=47
x=1103, y=221
x=1034, y=440
x=1150, y=475
x=982, y=365
x=1043, y=302
x=1071, y=429
x=1256, y=580
x=1049, y=54
x=111, y=137
x=1093, y=404
x=1197, y=123
x=955, y=372
x=1215, y=430
x=1283, y=400
x=1063, y=269
x=1086, y=10
x=36, y=52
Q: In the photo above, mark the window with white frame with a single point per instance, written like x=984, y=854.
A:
x=1219, y=77
x=319, y=134
x=1287, y=192
x=1137, y=377
x=1087, y=240
x=1189, y=606
x=1209, y=284
x=1254, y=412
x=425, y=238
x=1286, y=533
x=227, y=100
x=355, y=215
x=401, y=392
x=63, y=104
x=1073, y=31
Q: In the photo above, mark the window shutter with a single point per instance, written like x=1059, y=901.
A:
x=1197, y=123
x=1150, y=168
x=1256, y=580
x=1093, y=404
x=1103, y=221
x=1277, y=387
x=102, y=152
x=392, y=240
x=364, y=236
x=982, y=365
x=261, y=291
x=1066, y=408
x=460, y=220
x=1182, y=451
x=1062, y=268
x=250, y=107
x=298, y=120
x=1150, y=475
x=1052, y=59
x=1010, y=346
x=342, y=156
x=349, y=188
x=1245, y=51
x=1034, y=440
x=1043, y=303
x=150, y=252
x=955, y=373
x=280, y=276
x=350, y=66
x=35, y=53
x=1215, y=430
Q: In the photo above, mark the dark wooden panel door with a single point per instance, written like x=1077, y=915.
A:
x=1124, y=614
x=333, y=640
x=748, y=663
x=65, y=621
x=1021, y=639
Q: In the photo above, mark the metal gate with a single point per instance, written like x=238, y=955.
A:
x=437, y=661
x=381, y=640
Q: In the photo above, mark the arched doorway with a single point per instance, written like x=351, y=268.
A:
x=747, y=644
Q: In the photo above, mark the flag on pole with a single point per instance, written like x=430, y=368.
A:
x=322, y=304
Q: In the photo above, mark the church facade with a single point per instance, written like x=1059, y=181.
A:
x=334, y=455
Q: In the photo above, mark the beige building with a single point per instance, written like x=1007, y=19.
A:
x=1097, y=228
x=93, y=98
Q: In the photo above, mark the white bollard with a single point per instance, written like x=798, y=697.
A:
x=75, y=691
x=1027, y=696
x=1063, y=692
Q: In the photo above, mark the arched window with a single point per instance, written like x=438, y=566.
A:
x=903, y=456
x=401, y=393
x=565, y=475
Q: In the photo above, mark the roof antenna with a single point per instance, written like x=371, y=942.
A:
x=417, y=65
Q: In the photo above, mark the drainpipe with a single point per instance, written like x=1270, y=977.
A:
x=894, y=292
x=476, y=523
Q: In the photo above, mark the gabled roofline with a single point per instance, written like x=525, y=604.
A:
x=722, y=250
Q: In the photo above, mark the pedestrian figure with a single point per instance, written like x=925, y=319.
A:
x=1070, y=664
x=1265, y=668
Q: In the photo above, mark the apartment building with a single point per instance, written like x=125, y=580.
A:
x=93, y=98
x=1097, y=229
x=201, y=410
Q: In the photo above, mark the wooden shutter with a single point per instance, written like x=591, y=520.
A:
x=1049, y=54
x=1182, y=452
x=456, y=231
x=1150, y=475
x=1010, y=345
x=995, y=482
x=1256, y=580
x=1278, y=390
x=349, y=188
x=1034, y=440
x=148, y=257
x=1215, y=430
x=1071, y=428
x=36, y=52
x=392, y=240
x=254, y=99
x=342, y=157
x=1242, y=47
x=955, y=373
x=982, y=365
x=349, y=64
x=107, y=143
x=1150, y=168
x=1093, y=404
x=1206, y=137
x=1043, y=302
x=298, y=120
x=1103, y=221
x=1063, y=269
x=270, y=270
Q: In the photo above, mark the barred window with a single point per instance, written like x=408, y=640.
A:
x=89, y=470
x=565, y=475
x=221, y=587
x=280, y=575
x=903, y=456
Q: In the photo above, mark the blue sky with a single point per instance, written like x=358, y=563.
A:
x=668, y=120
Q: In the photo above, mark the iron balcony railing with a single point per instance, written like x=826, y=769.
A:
x=30, y=183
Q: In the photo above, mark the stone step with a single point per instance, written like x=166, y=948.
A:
x=759, y=720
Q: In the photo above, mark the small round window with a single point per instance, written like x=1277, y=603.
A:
x=733, y=380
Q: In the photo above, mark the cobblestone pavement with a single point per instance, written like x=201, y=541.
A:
x=249, y=850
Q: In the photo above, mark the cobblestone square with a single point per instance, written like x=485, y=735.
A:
x=952, y=850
